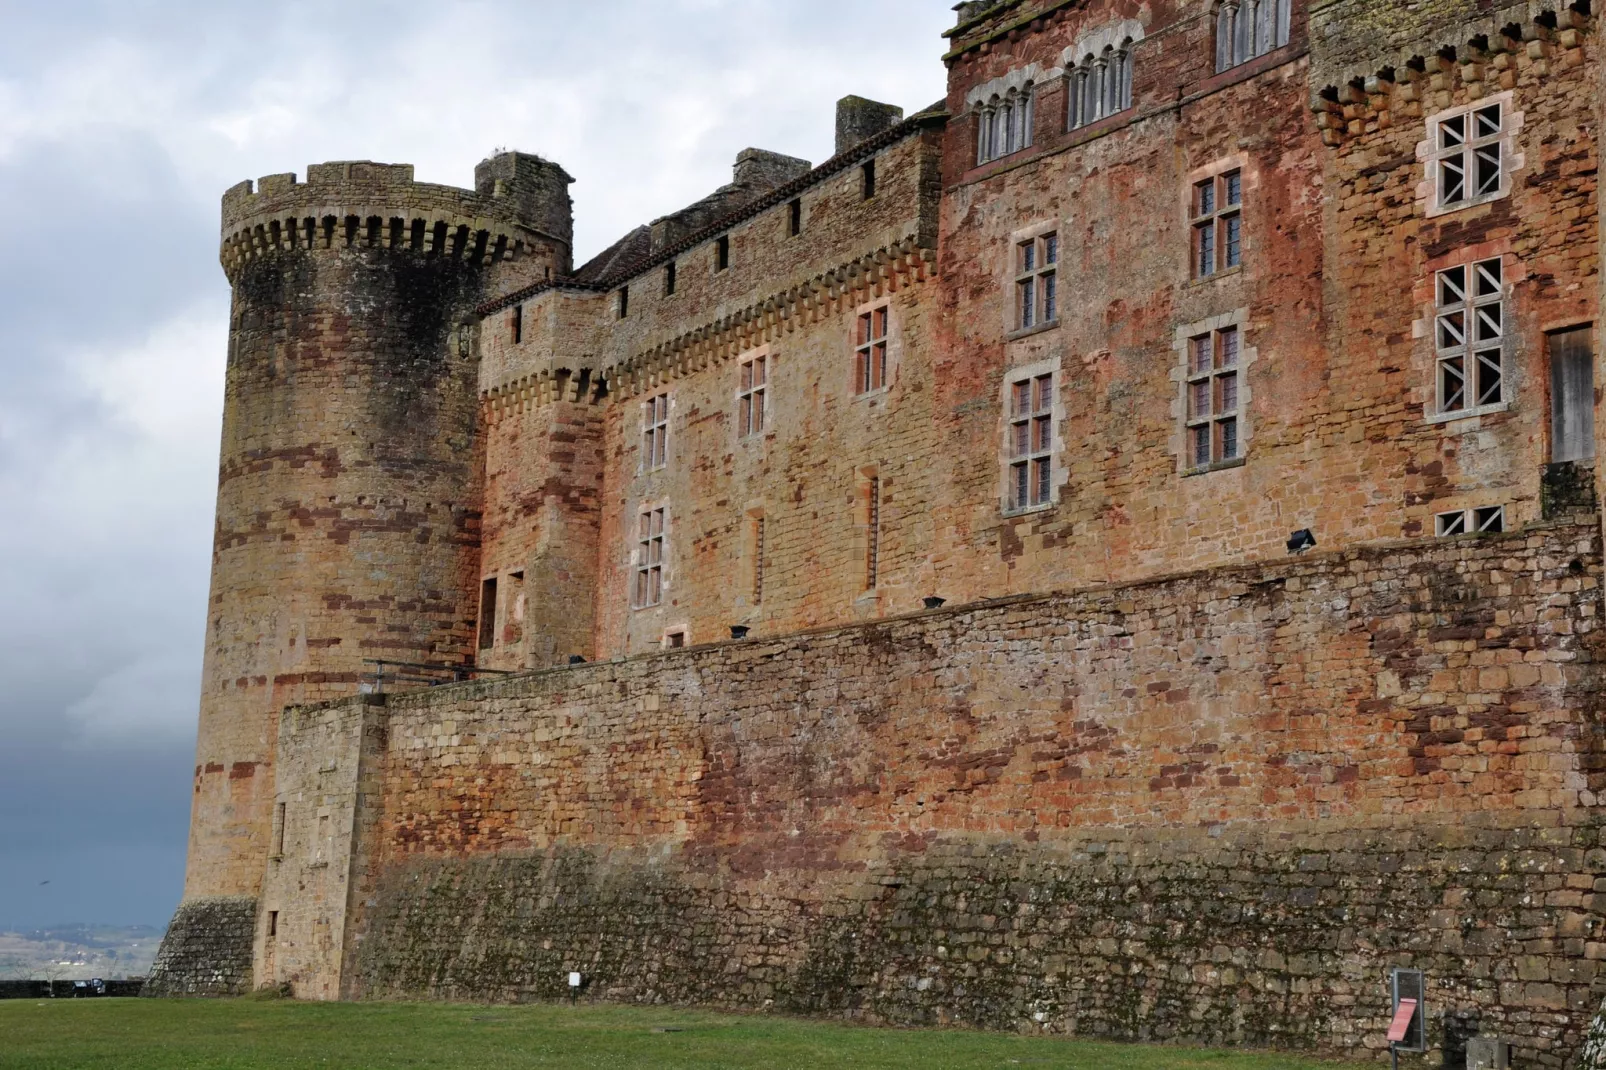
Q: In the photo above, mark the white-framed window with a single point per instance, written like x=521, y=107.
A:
x=752, y=393
x=1029, y=441
x=1216, y=223
x=1212, y=397
x=1469, y=338
x=870, y=351
x=1036, y=280
x=1249, y=28
x=1004, y=124
x=648, y=586
x=1480, y=519
x=1467, y=165
x=1099, y=85
x=655, y=432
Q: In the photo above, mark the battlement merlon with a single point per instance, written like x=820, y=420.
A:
x=1360, y=43
x=519, y=202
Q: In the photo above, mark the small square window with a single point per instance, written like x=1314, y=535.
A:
x=1482, y=520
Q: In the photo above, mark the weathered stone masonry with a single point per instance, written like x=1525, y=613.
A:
x=1214, y=806
x=1153, y=776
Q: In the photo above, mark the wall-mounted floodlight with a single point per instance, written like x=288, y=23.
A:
x=576, y=659
x=739, y=631
x=1301, y=540
x=933, y=601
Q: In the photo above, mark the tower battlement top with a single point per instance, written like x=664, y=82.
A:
x=511, y=187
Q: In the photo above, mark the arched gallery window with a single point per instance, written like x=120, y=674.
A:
x=1249, y=28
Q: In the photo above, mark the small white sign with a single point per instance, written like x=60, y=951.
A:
x=574, y=979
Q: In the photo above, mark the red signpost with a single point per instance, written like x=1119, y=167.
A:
x=1402, y=1020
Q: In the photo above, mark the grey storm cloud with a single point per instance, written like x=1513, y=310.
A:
x=120, y=125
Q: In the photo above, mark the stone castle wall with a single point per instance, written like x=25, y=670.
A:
x=1213, y=806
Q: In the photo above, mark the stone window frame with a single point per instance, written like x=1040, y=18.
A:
x=864, y=348
x=1087, y=65
x=1215, y=172
x=1509, y=372
x=1249, y=29
x=1014, y=275
x=655, y=410
x=1216, y=213
x=1431, y=154
x=1181, y=439
x=1473, y=520
x=649, y=555
x=747, y=390
x=1004, y=111
x=676, y=631
x=1008, y=458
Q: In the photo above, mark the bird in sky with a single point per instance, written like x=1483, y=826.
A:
x=43, y=883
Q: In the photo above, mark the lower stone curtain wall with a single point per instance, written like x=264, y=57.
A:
x=1215, y=807
x=206, y=950
x=1275, y=937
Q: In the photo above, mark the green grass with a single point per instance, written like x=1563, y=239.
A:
x=248, y=1034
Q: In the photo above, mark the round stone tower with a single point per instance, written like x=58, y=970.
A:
x=348, y=502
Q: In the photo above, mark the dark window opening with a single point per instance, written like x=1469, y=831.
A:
x=795, y=222
x=516, y=323
x=487, y=613
x=1572, y=395
x=676, y=640
x=722, y=252
x=278, y=831
x=869, y=179
x=669, y=278
x=273, y=923
x=624, y=301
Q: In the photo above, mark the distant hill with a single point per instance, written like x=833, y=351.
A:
x=78, y=951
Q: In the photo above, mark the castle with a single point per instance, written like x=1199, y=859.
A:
x=1113, y=552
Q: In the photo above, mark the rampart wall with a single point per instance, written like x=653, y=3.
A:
x=1213, y=806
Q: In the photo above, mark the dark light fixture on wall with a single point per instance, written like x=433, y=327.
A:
x=739, y=631
x=933, y=601
x=1301, y=540
x=576, y=659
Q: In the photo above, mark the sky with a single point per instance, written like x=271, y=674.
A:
x=121, y=123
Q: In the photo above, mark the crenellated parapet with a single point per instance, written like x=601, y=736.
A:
x=354, y=204
x=830, y=293
x=1373, y=64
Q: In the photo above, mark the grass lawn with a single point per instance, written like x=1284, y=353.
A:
x=245, y=1034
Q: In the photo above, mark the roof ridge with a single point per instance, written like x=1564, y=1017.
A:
x=841, y=161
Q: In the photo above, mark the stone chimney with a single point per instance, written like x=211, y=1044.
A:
x=761, y=169
x=970, y=9
x=858, y=118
